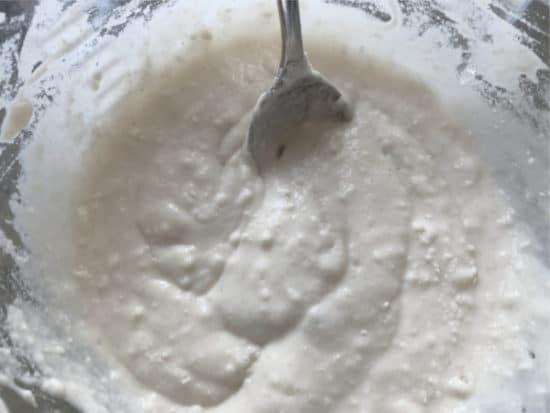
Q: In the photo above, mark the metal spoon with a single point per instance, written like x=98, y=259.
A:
x=298, y=93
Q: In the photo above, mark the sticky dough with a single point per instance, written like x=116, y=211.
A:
x=347, y=275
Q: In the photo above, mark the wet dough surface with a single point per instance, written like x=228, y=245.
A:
x=344, y=277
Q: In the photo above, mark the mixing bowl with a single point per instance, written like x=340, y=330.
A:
x=488, y=60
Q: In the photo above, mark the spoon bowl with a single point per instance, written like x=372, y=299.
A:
x=298, y=93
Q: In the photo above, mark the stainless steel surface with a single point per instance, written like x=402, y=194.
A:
x=298, y=93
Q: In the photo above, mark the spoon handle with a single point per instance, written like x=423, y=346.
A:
x=291, y=32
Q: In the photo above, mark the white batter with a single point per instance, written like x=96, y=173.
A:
x=349, y=274
x=371, y=267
